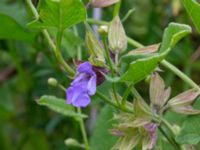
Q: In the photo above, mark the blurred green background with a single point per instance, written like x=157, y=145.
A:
x=26, y=63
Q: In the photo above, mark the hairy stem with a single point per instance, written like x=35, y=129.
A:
x=126, y=93
x=107, y=100
x=81, y=122
x=117, y=8
x=83, y=131
x=111, y=67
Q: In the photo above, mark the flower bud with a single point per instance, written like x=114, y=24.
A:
x=95, y=49
x=73, y=143
x=103, y=30
x=102, y=3
x=117, y=36
x=52, y=82
x=158, y=94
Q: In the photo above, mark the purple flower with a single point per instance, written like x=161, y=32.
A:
x=83, y=86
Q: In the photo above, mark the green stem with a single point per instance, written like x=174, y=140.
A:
x=83, y=131
x=79, y=54
x=107, y=100
x=59, y=54
x=170, y=128
x=180, y=74
x=117, y=9
x=56, y=48
x=111, y=67
x=97, y=22
x=126, y=93
x=81, y=122
x=168, y=138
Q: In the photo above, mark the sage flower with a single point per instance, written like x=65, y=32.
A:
x=83, y=86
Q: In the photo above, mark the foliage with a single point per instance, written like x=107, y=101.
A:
x=131, y=106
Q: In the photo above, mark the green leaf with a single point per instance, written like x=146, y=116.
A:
x=61, y=14
x=173, y=33
x=190, y=133
x=10, y=29
x=16, y=11
x=142, y=67
x=193, y=9
x=59, y=105
x=101, y=139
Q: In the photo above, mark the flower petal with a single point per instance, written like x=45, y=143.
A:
x=91, y=87
x=69, y=95
x=85, y=67
x=82, y=101
x=185, y=98
x=80, y=77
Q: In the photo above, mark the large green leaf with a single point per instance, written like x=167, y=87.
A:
x=59, y=13
x=190, y=133
x=193, y=9
x=59, y=105
x=101, y=139
x=142, y=67
x=10, y=29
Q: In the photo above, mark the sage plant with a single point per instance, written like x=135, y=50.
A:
x=139, y=121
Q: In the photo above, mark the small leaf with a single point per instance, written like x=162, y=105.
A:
x=10, y=29
x=192, y=8
x=103, y=3
x=61, y=14
x=59, y=105
x=190, y=133
x=117, y=36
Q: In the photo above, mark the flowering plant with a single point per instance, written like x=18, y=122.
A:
x=113, y=58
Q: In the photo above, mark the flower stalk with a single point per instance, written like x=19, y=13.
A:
x=110, y=63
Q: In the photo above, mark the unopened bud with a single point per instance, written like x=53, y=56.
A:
x=95, y=49
x=103, y=30
x=103, y=3
x=176, y=128
x=117, y=36
x=73, y=143
x=52, y=82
